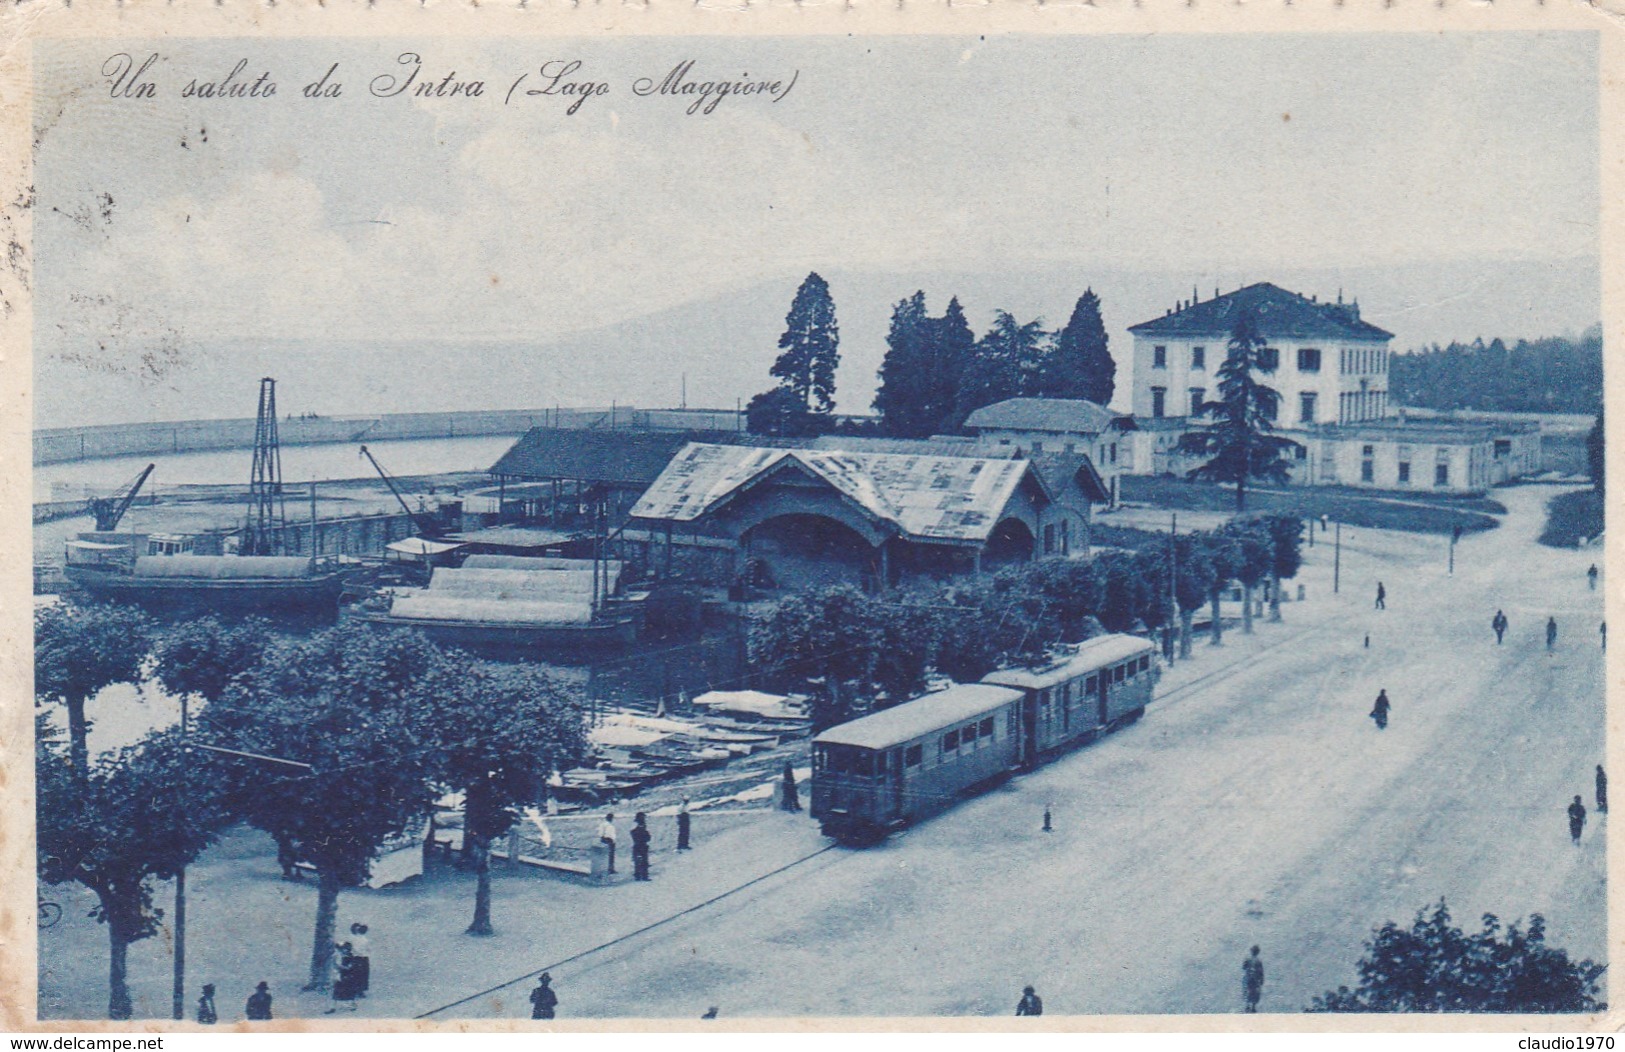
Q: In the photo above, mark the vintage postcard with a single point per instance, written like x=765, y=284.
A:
x=612, y=516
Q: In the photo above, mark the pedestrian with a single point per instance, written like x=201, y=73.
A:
x=792, y=799
x=1602, y=791
x=205, y=1006
x=640, y=846
x=1499, y=623
x=259, y=1003
x=1551, y=632
x=1591, y=577
x=684, y=825
x=542, y=999
x=1382, y=597
x=1252, y=980
x=1602, y=630
x=361, y=951
x=343, y=979
x=287, y=857
x=1379, y=710
x=606, y=836
x=1030, y=1003
x=1577, y=819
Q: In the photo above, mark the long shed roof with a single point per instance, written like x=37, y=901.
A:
x=1075, y=416
x=915, y=719
x=634, y=457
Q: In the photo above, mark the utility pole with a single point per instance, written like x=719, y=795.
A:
x=1337, y=557
x=1173, y=585
x=1455, y=535
x=179, y=1006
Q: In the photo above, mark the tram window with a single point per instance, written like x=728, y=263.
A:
x=987, y=727
x=1145, y=662
x=1014, y=721
x=820, y=758
x=968, y=734
x=911, y=756
x=1117, y=673
x=950, y=741
x=1089, y=685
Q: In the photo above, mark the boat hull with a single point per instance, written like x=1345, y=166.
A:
x=319, y=593
x=560, y=640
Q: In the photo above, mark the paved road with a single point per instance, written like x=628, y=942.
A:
x=1260, y=805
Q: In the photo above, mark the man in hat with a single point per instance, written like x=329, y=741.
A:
x=684, y=826
x=1252, y=980
x=259, y=1002
x=1030, y=1003
x=542, y=999
x=640, y=846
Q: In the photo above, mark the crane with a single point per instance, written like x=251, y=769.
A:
x=110, y=510
x=426, y=526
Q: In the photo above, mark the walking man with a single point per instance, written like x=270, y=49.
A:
x=1602, y=791
x=1591, y=577
x=1382, y=597
x=259, y=1003
x=1551, y=632
x=361, y=953
x=1602, y=630
x=1030, y=1003
x=542, y=999
x=640, y=846
x=606, y=836
x=1577, y=819
x=1499, y=623
x=684, y=824
x=792, y=799
x=1252, y=980
x=1379, y=710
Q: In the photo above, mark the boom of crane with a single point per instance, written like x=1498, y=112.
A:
x=427, y=527
x=109, y=511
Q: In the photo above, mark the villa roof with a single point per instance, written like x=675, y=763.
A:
x=1277, y=313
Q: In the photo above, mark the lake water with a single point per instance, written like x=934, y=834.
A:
x=339, y=460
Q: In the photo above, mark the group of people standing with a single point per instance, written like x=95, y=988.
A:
x=258, y=1008
x=608, y=836
x=1577, y=810
x=352, y=968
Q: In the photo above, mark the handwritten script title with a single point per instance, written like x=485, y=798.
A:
x=562, y=82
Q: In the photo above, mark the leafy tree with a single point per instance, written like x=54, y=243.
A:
x=1006, y=363
x=1286, y=543
x=357, y=704
x=81, y=649
x=1224, y=556
x=909, y=632
x=1254, y=558
x=1239, y=442
x=1553, y=374
x=810, y=347
x=137, y=816
x=1194, y=584
x=200, y=658
x=826, y=641
x=506, y=729
x=1081, y=366
x=1597, y=453
x=1433, y=966
x=780, y=412
x=991, y=622
x=1075, y=590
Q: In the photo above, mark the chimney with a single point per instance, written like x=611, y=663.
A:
x=1215, y=292
x=1196, y=297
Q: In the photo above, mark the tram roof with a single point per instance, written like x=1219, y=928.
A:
x=917, y=718
x=1090, y=655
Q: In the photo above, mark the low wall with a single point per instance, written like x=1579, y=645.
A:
x=63, y=444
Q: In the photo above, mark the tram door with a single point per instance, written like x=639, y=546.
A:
x=894, y=771
x=1029, y=728
x=1105, y=678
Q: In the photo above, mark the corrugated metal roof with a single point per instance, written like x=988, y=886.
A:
x=913, y=719
x=1089, y=655
x=928, y=497
x=1073, y=416
x=1274, y=310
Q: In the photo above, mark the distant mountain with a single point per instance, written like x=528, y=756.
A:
x=725, y=344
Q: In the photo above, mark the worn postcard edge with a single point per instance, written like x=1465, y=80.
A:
x=26, y=22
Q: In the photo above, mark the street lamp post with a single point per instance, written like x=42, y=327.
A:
x=1337, y=557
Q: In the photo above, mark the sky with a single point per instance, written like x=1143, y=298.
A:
x=366, y=218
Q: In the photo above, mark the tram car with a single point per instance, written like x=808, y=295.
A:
x=900, y=765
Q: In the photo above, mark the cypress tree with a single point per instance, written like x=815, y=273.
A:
x=810, y=347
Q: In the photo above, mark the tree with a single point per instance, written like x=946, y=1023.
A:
x=356, y=704
x=137, y=816
x=81, y=649
x=1239, y=442
x=1081, y=366
x=903, y=398
x=1597, y=453
x=780, y=412
x=200, y=658
x=1225, y=557
x=809, y=348
x=1194, y=584
x=1286, y=554
x=1433, y=966
x=1007, y=363
x=507, y=729
x=1254, y=557
x=827, y=641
